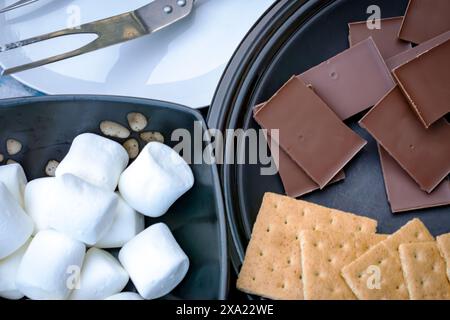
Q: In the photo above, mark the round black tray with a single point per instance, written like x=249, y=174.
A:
x=292, y=37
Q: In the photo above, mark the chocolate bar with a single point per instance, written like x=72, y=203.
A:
x=385, y=38
x=424, y=20
x=352, y=81
x=425, y=81
x=423, y=153
x=310, y=132
x=412, y=53
x=403, y=192
x=295, y=181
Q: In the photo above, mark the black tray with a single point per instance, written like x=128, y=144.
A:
x=46, y=127
x=292, y=37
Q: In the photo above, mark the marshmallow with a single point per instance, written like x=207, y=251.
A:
x=81, y=210
x=125, y=296
x=126, y=225
x=95, y=159
x=155, y=180
x=8, y=272
x=13, y=176
x=50, y=267
x=155, y=262
x=101, y=276
x=15, y=225
x=38, y=195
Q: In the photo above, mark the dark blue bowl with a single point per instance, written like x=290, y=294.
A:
x=46, y=127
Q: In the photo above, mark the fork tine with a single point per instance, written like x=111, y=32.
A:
x=16, y=5
x=47, y=36
x=87, y=48
x=109, y=31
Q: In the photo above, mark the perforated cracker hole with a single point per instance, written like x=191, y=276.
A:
x=261, y=254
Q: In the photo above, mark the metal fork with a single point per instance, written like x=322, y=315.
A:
x=17, y=4
x=110, y=31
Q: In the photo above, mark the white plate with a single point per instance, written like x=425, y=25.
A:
x=181, y=64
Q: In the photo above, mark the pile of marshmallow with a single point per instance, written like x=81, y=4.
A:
x=47, y=224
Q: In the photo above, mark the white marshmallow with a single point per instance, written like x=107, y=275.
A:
x=38, y=195
x=101, y=276
x=50, y=266
x=155, y=180
x=13, y=176
x=95, y=159
x=15, y=225
x=126, y=225
x=155, y=262
x=81, y=210
x=8, y=271
x=125, y=296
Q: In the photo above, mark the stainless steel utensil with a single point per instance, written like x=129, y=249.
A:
x=16, y=5
x=110, y=31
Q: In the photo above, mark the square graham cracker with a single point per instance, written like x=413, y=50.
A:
x=272, y=264
x=424, y=271
x=382, y=263
x=323, y=254
x=443, y=242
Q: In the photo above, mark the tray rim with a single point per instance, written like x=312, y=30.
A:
x=257, y=49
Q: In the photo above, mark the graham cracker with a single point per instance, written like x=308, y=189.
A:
x=424, y=271
x=323, y=254
x=272, y=266
x=443, y=242
x=378, y=274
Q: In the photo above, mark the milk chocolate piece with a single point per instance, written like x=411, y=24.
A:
x=310, y=132
x=409, y=55
x=352, y=81
x=385, y=38
x=423, y=153
x=425, y=19
x=295, y=181
x=403, y=192
x=426, y=83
